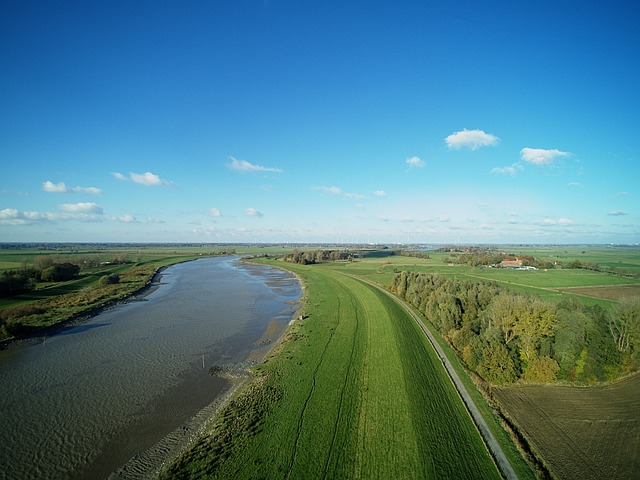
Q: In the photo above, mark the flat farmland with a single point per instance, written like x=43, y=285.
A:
x=610, y=292
x=591, y=433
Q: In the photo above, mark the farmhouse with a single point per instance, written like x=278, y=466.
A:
x=515, y=265
x=511, y=263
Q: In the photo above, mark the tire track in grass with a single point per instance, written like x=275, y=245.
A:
x=342, y=393
x=311, y=391
x=503, y=464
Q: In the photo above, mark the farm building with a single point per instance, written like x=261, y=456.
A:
x=511, y=263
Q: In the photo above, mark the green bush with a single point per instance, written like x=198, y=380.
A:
x=110, y=279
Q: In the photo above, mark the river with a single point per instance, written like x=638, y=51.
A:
x=84, y=402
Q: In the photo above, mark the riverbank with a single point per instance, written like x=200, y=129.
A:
x=154, y=461
x=145, y=371
x=78, y=318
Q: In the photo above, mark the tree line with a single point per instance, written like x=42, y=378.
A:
x=505, y=336
x=52, y=268
x=316, y=256
x=475, y=257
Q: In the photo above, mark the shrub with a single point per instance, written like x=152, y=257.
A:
x=60, y=272
x=110, y=279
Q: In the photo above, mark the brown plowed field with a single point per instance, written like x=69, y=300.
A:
x=581, y=432
x=607, y=292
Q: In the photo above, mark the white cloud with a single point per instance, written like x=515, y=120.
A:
x=380, y=193
x=126, y=219
x=60, y=187
x=83, y=212
x=331, y=190
x=339, y=192
x=83, y=207
x=512, y=170
x=356, y=196
x=252, y=212
x=472, y=139
x=148, y=179
x=540, y=156
x=416, y=162
x=215, y=212
x=11, y=216
x=574, y=184
x=244, y=166
x=54, y=187
x=616, y=213
x=552, y=221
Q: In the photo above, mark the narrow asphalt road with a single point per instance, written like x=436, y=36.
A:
x=492, y=445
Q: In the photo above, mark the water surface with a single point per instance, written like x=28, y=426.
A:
x=81, y=403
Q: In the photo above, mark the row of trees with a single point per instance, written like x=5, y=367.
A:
x=316, y=256
x=15, y=282
x=506, y=336
x=475, y=257
x=579, y=264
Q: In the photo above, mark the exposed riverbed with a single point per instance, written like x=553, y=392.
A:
x=82, y=403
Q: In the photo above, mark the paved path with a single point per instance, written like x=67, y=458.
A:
x=492, y=445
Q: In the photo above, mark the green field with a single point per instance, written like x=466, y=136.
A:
x=354, y=391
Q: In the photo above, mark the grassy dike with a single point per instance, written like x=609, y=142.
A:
x=353, y=390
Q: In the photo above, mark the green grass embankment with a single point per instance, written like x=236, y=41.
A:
x=353, y=391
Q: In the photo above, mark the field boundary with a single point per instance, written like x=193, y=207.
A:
x=504, y=466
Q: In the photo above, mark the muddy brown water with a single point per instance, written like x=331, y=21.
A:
x=86, y=401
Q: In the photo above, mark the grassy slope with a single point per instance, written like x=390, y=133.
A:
x=355, y=392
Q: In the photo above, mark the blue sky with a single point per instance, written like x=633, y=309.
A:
x=283, y=121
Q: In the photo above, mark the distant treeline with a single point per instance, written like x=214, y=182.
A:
x=506, y=336
x=316, y=256
x=476, y=256
x=51, y=268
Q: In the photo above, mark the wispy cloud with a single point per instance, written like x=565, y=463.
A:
x=540, y=156
x=244, y=167
x=60, y=187
x=512, y=170
x=356, y=196
x=125, y=219
x=81, y=212
x=83, y=207
x=215, y=212
x=339, y=192
x=331, y=190
x=252, y=212
x=415, y=162
x=380, y=193
x=553, y=222
x=471, y=139
x=616, y=213
x=148, y=179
